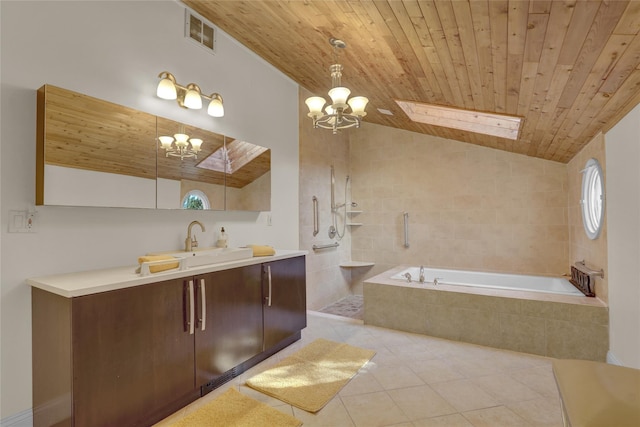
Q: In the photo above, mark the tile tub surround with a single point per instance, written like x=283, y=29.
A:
x=545, y=324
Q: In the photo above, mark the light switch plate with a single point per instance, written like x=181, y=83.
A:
x=22, y=222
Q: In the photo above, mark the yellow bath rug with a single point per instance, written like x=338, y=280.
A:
x=311, y=377
x=234, y=409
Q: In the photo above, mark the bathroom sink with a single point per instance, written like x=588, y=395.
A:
x=206, y=256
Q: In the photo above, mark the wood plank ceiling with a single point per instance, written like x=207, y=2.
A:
x=570, y=68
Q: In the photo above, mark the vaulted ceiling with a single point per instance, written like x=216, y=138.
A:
x=569, y=68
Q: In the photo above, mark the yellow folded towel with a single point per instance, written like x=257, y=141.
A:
x=162, y=266
x=262, y=250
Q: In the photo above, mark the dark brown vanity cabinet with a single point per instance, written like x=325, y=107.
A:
x=132, y=356
x=285, y=299
x=123, y=357
x=229, y=320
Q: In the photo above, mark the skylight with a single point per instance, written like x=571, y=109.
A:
x=233, y=156
x=473, y=121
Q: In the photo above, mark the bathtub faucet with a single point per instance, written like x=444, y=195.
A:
x=421, y=274
x=408, y=276
x=435, y=280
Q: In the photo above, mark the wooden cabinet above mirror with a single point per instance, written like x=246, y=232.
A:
x=92, y=152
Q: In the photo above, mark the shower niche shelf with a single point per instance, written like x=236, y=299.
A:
x=354, y=223
x=356, y=264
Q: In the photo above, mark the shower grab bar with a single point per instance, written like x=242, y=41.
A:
x=330, y=245
x=580, y=265
x=406, y=229
x=316, y=228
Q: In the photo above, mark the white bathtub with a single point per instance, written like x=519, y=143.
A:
x=554, y=285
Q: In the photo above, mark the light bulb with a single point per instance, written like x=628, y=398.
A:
x=216, y=108
x=339, y=96
x=315, y=104
x=192, y=98
x=166, y=87
x=358, y=104
x=165, y=142
x=182, y=139
x=195, y=144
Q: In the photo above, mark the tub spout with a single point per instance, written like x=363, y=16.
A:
x=421, y=274
x=436, y=280
x=408, y=276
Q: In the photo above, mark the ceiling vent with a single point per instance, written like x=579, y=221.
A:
x=200, y=31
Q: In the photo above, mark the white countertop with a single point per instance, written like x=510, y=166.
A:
x=92, y=282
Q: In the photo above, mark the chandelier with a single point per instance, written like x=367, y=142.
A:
x=180, y=145
x=189, y=96
x=337, y=116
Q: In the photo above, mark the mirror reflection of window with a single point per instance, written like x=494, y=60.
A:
x=195, y=199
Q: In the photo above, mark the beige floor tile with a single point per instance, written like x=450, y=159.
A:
x=393, y=377
x=539, y=412
x=420, y=402
x=464, y=395
x=363, y=382
x=413, y=351
x=498, y=416
x=333, y=415
x=373, y=410
x=453, y=420
x=433, y=371
x=385, y=357
x=474, y=367
x=505, y=389
x=539, y=379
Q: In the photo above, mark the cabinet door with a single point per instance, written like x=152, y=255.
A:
x=132, y=354
x=285, y=300
x=231, y=330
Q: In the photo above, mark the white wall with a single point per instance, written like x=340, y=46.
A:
x=623, y=222
x=114, y=50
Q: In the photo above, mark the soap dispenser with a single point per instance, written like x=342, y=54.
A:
x=222, y=239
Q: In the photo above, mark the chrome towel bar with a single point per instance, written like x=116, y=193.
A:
x=406, y=229
x=316, y=228
x=330, y=245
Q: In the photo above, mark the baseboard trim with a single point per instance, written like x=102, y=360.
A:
x=21, y=419
x=613, y=359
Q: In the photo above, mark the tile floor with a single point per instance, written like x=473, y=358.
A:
x=416, y=380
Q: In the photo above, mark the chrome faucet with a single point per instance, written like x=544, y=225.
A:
x=421, y=274
x=435, y=280
x=408, y=276
x=189, y=242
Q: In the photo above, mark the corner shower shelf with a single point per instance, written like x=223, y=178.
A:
x=354, y=223
x=356, y=264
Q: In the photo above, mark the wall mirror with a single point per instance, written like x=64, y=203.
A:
x=178, y=178
x=92, y=152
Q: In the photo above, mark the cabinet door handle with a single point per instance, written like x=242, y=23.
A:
x=203, y=305
x=192, y=313
x=269, y=280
